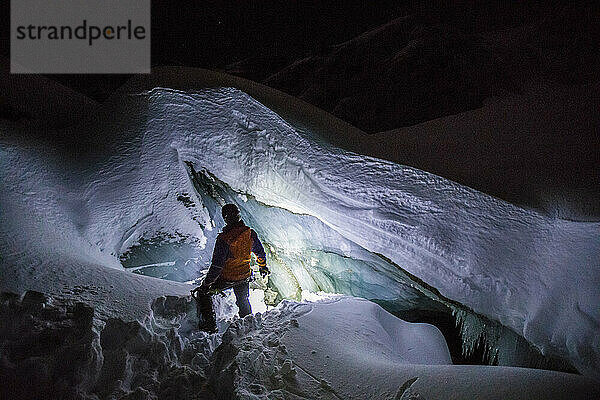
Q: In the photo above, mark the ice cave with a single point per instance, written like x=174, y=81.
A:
x=387, y=281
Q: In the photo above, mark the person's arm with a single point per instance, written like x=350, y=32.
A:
x=259, y=251
x=219, y=257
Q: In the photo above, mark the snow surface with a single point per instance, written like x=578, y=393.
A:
x=337, y=347
x=535, y=274
x=69, y=211
x=534, y=148
x=345, y=348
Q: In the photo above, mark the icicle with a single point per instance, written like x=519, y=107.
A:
x=475, y=331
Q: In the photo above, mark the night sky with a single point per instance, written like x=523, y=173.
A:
x=216, y=33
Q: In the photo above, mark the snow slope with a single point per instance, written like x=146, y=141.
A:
x=39, y=101
x=68, y=211
x=539, y=148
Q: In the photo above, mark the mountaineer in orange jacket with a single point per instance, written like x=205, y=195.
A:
x=230, y=267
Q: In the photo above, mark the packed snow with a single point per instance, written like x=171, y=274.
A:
x=77, y=203
x=336, y=347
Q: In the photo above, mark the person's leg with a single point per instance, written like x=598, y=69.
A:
x=205, y=310
x=242, y=292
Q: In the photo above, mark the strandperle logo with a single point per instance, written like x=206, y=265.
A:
x=80, y=36
x=90, y=33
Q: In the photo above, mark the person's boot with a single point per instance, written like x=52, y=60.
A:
x=208, y=326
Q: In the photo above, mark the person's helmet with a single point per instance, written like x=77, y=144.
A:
x=230, y=213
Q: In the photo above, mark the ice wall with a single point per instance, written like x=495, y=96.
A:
x=306, y=255
x=534, y=274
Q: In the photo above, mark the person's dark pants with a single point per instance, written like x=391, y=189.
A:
x=205, y=305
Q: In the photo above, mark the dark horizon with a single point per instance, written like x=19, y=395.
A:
x=215, y=34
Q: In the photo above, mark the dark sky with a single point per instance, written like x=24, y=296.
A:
x=215, y=33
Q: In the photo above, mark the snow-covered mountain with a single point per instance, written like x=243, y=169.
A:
x=40, y=101
x=147, y=175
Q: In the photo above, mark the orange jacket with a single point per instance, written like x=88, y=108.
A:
x=231, y=256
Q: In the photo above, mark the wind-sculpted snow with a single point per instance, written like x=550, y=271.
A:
x=53, y=348
x=538, y=275
x=270, y=357
x=129, y=183
x=341, y=347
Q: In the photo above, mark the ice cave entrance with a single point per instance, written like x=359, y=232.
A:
x=308, y=259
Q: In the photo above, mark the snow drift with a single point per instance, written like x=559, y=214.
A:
x=74, y=201
x=535, y=274
x=339, y=347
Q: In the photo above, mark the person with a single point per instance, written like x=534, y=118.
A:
x=230, y=267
